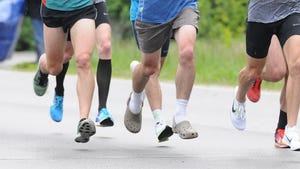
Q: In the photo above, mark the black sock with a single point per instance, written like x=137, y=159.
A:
x=59, y=89
x=282, y=121
x=103, y=81
x=44, y=77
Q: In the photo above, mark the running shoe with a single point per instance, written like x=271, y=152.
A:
x=132, y=122
x=238, y=114
x=279, y=134
x=291, y=138
x=163, y=131
x=86, y=128
x=184, y=129
x=56, y=109
x=40, y=85
x=104, y=119
x=253, y=93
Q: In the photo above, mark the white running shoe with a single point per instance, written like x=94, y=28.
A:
x=238, y=113
x=291, y=138
x=133, y=64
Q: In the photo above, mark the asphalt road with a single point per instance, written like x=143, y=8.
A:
x=31, y=140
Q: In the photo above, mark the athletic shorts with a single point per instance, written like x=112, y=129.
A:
x=151, y=36
x=66, y=19
x=102, y=14
x=164, y=49
x=259, y=35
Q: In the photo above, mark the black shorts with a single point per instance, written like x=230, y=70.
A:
x=259, y=35
x=66, y=19
x=102, y=14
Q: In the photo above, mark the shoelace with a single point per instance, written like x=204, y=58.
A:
x=240, y=112
x=58, y=101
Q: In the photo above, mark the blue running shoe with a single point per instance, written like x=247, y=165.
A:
x=104, y=119
x=56, y=109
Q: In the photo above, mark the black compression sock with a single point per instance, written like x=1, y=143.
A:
x=103, y=81
x=59, y=89
x=282, y=121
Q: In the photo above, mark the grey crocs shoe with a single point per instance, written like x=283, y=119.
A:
x=185, y=130
x=132, y=122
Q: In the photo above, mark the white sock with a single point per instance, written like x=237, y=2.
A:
x=157, y=115
x=136, y=102
x=180, y=112
x=237, y=103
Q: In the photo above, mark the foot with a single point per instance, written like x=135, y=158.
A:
x=40, y=84
x=238, y=114
x=132, y=122
x=291, y=138
x=185, y=130
x=104, y=119
x=85, y=130
x=56, y=109
x=163, y=131
x=279, y=134
x=253, y=93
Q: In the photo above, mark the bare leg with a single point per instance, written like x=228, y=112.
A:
x=84, y=29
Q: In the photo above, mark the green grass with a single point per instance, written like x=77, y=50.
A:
x=217, y=63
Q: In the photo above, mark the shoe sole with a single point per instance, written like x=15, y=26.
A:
x=277, y=145
x=164, y=136
x=105, y=123
x=86, y=130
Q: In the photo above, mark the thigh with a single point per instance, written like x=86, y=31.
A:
x=291, y=51
x=83, y=37
x=258, y=39
x=55, y=40
x=103, y=40
x=186, y=27
x=290, y=38
x=275, y=58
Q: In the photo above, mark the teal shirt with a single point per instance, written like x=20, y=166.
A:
x=67, y=5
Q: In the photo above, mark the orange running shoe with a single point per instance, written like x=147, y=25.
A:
x=253, y=93
x=279, y=134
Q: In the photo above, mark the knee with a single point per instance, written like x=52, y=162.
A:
x=105, y=50
x=149, y=70
x=278, y=74
x=83, y=61
x=68, y=53
x=54, y=69
x=186, y=56
x=249, y=74
x=294, y=69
